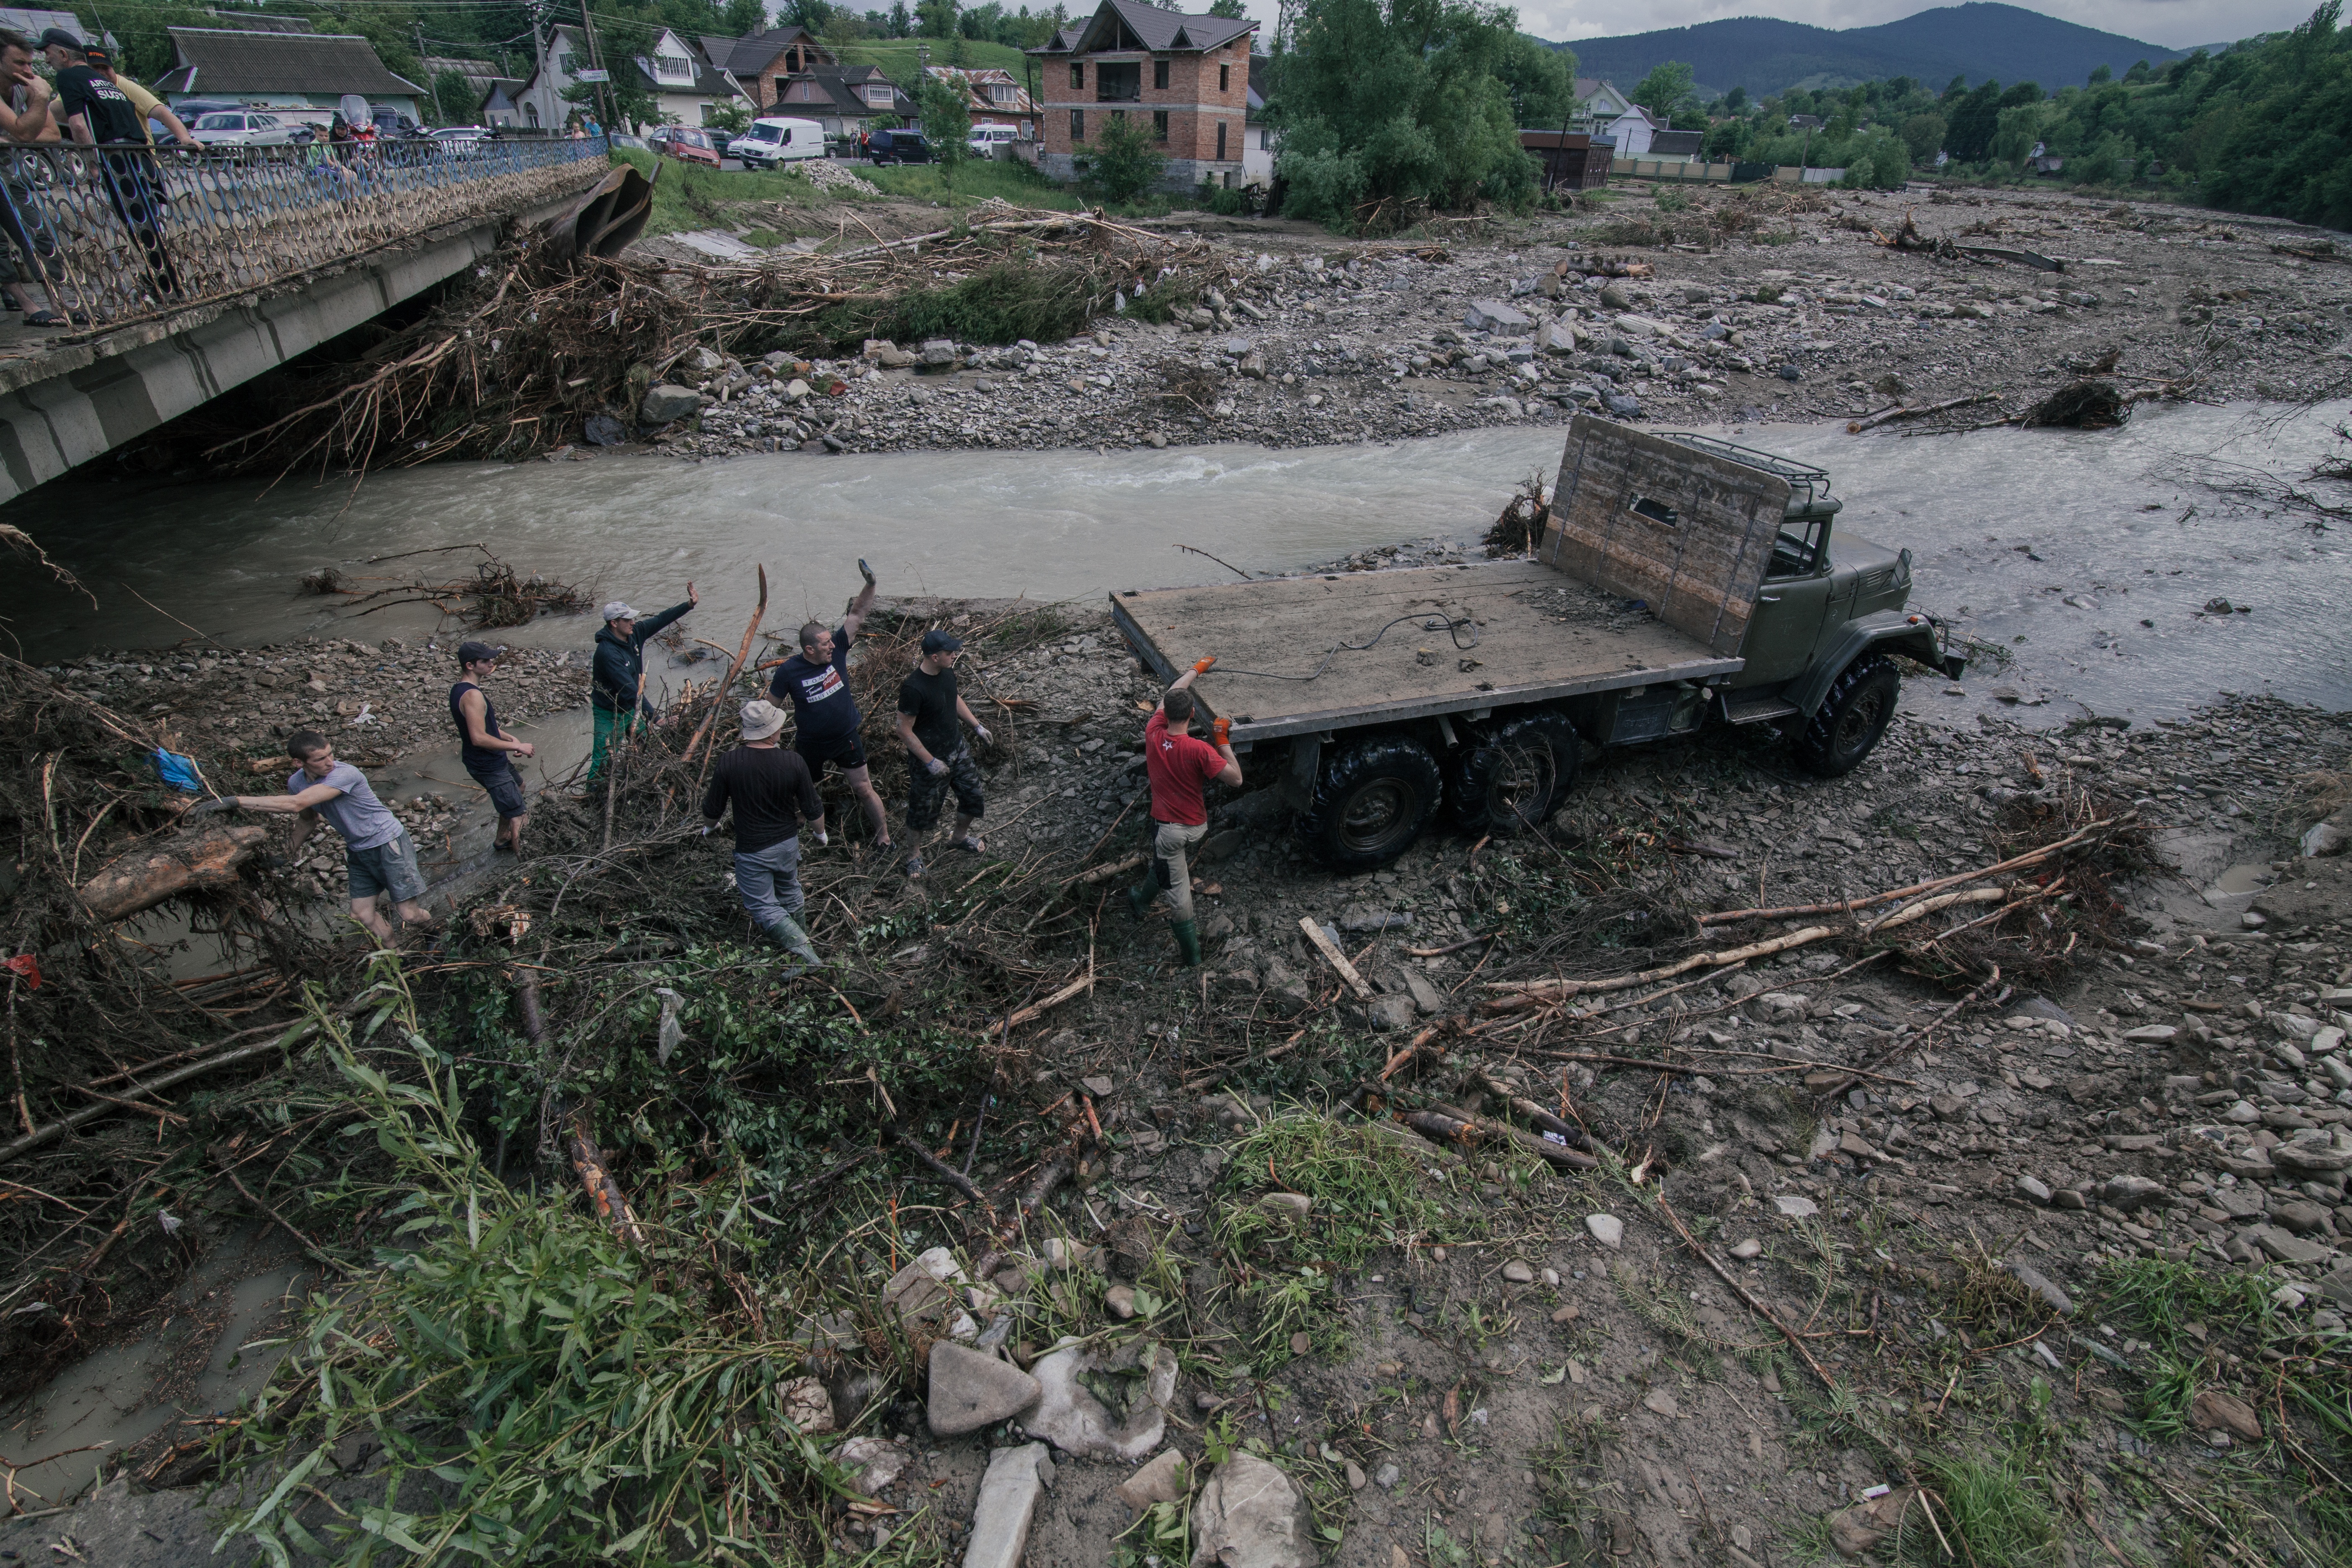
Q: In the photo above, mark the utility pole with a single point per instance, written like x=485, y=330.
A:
x=432, y=84
x=596, y=60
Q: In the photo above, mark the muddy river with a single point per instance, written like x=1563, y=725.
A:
x=2087, y=557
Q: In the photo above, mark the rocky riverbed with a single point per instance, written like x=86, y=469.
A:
x=1752, y=304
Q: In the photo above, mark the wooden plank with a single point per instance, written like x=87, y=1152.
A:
x=1688, y=531
x=1338, y=960
x=1538, y=635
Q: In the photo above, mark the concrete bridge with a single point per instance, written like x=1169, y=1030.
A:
x=192, y=274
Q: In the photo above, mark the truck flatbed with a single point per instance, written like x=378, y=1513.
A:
x=1538, y=635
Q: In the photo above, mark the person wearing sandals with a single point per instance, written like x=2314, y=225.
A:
x=815, y=681
x=487, y=750
x=26, y=117
x=929, y=709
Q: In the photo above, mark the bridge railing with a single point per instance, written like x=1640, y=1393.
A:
x=116, y=234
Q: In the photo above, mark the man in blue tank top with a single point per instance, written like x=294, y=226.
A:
x=488, y=751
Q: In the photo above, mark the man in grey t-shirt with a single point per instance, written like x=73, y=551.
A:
x=377, y=850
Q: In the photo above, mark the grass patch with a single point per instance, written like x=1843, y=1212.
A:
x=1994, y=1507
x=1002, y=304
x=691, y=196
x=979, y=179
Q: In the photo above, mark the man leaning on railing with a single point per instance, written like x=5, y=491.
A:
x=26, y=117
x=96, y=114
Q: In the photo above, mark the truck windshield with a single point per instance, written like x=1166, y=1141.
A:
x=1799, y=547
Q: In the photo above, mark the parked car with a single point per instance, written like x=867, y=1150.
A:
x=685, y=143
x=993, y=141
x=392, y=122
x=897, y=147
x=241, y=127
x=460, y=135
x=772, y=142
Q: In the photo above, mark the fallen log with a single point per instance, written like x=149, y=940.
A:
x=1848, y=906
x=191, y=862
x=1920, y=411
x=1335, y=958
x=605, y=1193
x=1456, y=1128
x=153, y=1086
x=1520, y=994
x=1910, y=912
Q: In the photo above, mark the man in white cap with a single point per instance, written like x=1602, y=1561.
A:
x=772, y=793
x=616, y=674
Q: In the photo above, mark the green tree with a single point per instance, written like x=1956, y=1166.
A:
x=1123, y=163
x=946, y=118
x=452, y=101
x=1735, y=102
x=1877, y=159
x=731, y=117
x=1923, y=135
x=2019, y=127
x=1231, y=10
x=1386, y=107
x=1667, y=91
x=936, y=18
x=1540, y=80
x=742, y=19
x=2101, y=75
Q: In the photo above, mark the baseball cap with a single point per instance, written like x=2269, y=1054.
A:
x=96, y=55
x=474, y=652
x=58, y=37
x=618, y=610
x=761, y=719
x=937, y=641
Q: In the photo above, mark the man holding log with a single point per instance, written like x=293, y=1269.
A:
x=1181, y=765
x=616, y=675
x=378, y=853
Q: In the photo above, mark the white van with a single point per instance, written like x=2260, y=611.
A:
x=772, y=142
x=993, y=141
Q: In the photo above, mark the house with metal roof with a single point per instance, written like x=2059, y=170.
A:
x=992, y=97
x=280, y=70
x=1185, y=76
x=684, y=82
x=844, y=99
x=761, y=61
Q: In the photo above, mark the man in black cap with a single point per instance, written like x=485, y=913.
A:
x=937, y=758
x=488, y=751
x=96, y=113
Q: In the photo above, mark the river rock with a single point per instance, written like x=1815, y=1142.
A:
x=2313, y=1152
x=970, y=1390
x=1606, y=1228
x=604, y=430
x=1007, y=1505
x=2323, y=838
x=807, y=1406
x=1252, y=1515
x=2033, y=1280
x=2131, y=1194
x=2215, y=1411
x=1493, y=315
x=666, y=403
x=874, y=1463
x=1161, y=1480
x=1069, y=1416
x=936, y=353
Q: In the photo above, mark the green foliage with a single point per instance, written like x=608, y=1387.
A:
x=1001, y=304
x=1008, y=178
x=1366, y=1187
x=452, y=101
x=1877, y=160
x=1121, y=161
x=729, y=118
x=1231, y=10
x=946, y=117
x=575, y=1393
x=1667, y=91
x=1540, y=80
x=1923, y=134
x=2000, y=1513
x=1388, y=112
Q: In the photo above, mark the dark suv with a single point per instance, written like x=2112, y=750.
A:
x=898, y=147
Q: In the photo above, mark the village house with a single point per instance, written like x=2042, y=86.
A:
x=762, y=63
x=844, y=99
x=1258, y=136
x=540, y=98
x=684, y=85
x=992, y=98
x=1185, y=78
x=282, y=70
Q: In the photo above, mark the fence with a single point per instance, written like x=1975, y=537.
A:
x=1695, y=171
x=118, y=233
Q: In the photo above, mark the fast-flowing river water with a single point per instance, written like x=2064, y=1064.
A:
x=2088, y=557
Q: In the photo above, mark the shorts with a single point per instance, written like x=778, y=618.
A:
x=846, y=752
x=927, y=792
x=389, y=867
x=505, y=788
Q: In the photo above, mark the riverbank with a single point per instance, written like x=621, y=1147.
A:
x=1746, y=305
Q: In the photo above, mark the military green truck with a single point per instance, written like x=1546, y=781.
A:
x=1680, y=580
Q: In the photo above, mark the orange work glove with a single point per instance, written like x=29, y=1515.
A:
x=1202, y=667
x=1225, y=730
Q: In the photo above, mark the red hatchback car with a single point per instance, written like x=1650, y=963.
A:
x=688, y=142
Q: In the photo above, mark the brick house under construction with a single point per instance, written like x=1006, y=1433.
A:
x=1186, y=77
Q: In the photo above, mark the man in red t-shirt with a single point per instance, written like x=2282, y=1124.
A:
x=1180, y=763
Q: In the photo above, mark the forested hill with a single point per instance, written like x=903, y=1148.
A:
x=1976, y=40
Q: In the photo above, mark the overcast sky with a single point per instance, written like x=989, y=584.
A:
x=2174, y=23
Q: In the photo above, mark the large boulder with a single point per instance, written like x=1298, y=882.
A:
x=1493, y=315
x=668, y=402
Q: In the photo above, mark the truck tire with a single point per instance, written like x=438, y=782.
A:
x=1371, y=802
x=1515, y=779
x=1856, y=712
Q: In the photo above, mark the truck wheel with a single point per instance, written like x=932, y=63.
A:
x=1370, y=803
x=1856, y=712
x=1518, y=777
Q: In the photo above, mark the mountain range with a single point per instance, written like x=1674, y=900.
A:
x=1978, y=40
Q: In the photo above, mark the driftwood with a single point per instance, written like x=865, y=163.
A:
x=1904, y=411
x=605, y=1193
x=192, y=862
x=154, y=1085
x=1519, y=994
x=1335, y=958
x=1456, y=1128
x=1847, y=906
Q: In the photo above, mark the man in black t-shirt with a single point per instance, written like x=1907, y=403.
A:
x=96, y=113
x=815, y=681
x=937, y=758
x=772, y=793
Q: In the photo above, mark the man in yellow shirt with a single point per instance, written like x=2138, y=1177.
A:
x=151, y=108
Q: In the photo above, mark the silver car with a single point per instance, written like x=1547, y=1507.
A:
x=244, y=127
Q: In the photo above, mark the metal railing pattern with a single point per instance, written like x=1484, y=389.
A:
x=118, y=233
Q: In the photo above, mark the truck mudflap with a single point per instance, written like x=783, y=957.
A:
x=1907, y=632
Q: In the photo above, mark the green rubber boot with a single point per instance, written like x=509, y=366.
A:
x=1187, y=941
x=789, y=936
x=1139, y=897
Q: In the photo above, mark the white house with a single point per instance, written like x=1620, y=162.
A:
x=687, y=85
x=1258, y=136
x=1632, y=130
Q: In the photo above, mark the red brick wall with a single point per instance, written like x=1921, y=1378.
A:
x=1192, y=99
